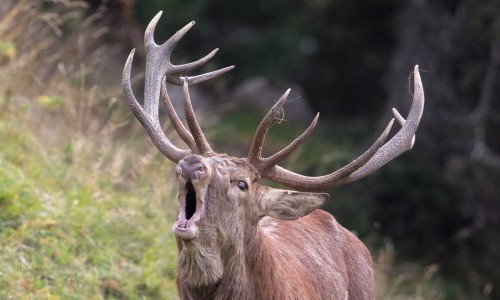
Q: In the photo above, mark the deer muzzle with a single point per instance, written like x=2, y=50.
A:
x=193, y=174
x=192, y=168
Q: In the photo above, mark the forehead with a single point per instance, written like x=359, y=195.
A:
x=233, y=166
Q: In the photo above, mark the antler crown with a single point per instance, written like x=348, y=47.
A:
x=160, y=70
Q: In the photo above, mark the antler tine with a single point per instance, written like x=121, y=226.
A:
x=176, y=37
x=403, y=140
x=175, y=72
x=181, y=69
x=285, y=152
x=199, y=138
x=281, y=175
x=158, y=66
x=150, y=29
x=174, y=118
x=374, y=158
x=153, y=128
x=255, y=153
x=199, y=78
x=401, y=122
x=366, y=156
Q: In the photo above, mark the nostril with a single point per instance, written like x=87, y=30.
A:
x=199, y=173
x=191, y=168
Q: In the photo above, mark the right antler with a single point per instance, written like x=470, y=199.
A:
x=375, y=157
x=159, y=68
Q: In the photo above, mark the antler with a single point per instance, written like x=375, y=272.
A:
x=255, y=154
x=371, y=160
x=159, y=67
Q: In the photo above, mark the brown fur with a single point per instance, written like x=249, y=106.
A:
x=241, y=253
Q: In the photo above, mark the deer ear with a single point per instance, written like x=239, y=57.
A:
x=288, y=205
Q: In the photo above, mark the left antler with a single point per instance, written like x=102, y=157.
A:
x=371, y=160
x=159, y=67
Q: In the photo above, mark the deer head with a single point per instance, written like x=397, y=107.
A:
x=220, y=200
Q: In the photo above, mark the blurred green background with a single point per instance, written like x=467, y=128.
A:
x=87, y=202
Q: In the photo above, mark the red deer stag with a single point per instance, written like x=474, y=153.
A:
x=236, y=238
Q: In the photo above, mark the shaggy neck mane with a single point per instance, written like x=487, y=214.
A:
x=245, y=271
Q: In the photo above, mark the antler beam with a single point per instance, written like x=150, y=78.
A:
x=375, y=157
x=159, y=68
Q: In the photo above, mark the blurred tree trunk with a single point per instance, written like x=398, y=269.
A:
x=456, y=44
x=457, y=48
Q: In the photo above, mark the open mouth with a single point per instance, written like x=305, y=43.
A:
x=186, y=227
x=190, y=208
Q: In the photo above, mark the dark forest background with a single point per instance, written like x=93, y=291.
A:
x=439, y=204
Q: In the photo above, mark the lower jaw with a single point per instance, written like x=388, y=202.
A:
x=185, y=234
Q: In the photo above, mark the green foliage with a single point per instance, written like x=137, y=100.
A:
x=14, y=190
x=73, y=232
x=50, y=101
x=83, y=215
x=7, y=49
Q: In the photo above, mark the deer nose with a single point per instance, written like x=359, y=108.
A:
x=191, y=168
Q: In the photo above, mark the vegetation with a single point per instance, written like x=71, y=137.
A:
x=84, y=214
x=72, y=228
x=87, y=202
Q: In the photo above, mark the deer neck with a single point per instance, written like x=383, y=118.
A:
x=239, y=270
x=210, y=271
x=262, y=266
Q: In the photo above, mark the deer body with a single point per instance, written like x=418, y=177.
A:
x=238, y=239
x=311, y=258
x=333, y=264
x=230, y=248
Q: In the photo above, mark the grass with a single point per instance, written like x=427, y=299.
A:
x=74, y=235
x=86, y=201
x=71, y=227
x=84, y=213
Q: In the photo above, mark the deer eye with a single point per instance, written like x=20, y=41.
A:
x=242, y=185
